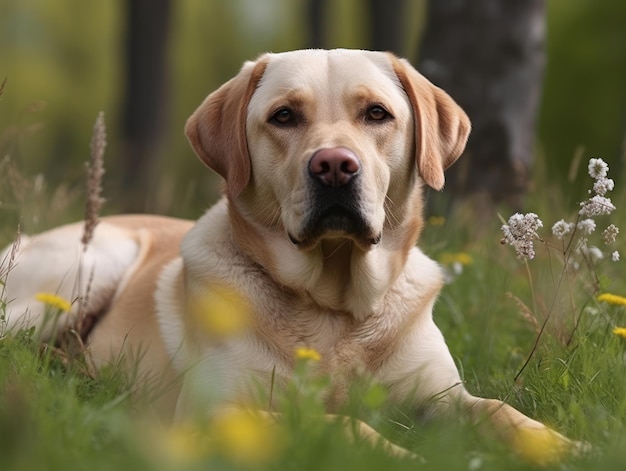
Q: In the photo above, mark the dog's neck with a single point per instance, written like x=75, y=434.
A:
x=336, y=274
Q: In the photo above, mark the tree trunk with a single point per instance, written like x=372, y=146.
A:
x=489, y=56
x=317, y=33
x=144, y=102
x=386, y=24
x=387, y=27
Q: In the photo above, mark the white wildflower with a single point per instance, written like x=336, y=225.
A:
x=596, y=206
x=603, y=185
x=587, y=226
x=561, y=228
x=615, y=256
x=594, y=253
x=520, y=232
x=609, y=234
x=597, y=168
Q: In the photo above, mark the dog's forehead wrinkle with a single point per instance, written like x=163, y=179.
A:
x=330, y=72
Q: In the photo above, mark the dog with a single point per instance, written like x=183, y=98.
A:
x=325, y=156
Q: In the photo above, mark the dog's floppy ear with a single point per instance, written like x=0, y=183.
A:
x=441, y=126
x=217, y=129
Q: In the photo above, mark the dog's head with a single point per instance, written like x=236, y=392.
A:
x=329, y=144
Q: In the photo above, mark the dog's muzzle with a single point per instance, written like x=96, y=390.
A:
x=335, y=203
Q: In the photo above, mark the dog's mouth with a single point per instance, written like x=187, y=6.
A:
x=336, y=222
x=335, y=211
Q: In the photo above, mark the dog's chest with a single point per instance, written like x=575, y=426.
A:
x=285, y=322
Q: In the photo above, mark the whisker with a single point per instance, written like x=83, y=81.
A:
x=394, y=221
x=333, y=252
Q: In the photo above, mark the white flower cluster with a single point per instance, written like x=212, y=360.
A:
x=596, y=205
x=610, y=234
x=561, y=228
x=597, y=169
x=520, y=233
x=521, y=230
x=599, y=204
x=603, y=185
x=586, y=226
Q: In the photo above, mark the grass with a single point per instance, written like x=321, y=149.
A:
x=54, y=414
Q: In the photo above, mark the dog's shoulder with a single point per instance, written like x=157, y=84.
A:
x=421, y=273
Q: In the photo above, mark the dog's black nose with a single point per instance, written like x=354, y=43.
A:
x=334, y=166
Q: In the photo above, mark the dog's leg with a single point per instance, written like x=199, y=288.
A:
x=356, y=429
x=55, y=262
x=531, y=439
x=422, y=372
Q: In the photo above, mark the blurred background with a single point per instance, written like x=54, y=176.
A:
x=543, y=81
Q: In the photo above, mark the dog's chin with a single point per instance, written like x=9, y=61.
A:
x=337, y=224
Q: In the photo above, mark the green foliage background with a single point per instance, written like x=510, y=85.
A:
x=63, y=63
x=584, y=98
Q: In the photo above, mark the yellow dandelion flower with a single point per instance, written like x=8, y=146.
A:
x=54, y=301
x=245, y=437
x=612, y=299
x=186, y=443
x=620, y=332
x=304, y=353
x=221, y=312
x=539, y=446
x=462, y=258
x=436, y=220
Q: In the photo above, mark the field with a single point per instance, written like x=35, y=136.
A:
x=531, y=332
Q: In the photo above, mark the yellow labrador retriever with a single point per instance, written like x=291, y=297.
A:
x=324, y=155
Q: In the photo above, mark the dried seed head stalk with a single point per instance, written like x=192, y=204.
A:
x=8, y=261
x=95, y=172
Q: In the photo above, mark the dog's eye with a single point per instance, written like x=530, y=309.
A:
x=377, y=113
x=283, y=117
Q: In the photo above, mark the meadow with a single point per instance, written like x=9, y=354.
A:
x=535, y=332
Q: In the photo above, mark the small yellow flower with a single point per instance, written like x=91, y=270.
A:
x=540, y=446
x=186, y=443
x=612, y=299
x=448, y=258
x=246, y=437
x=436, y=220
x=304, y=353
x=620, y=332
x=54, y=301
x=221, y=312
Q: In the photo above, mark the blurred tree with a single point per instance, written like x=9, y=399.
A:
x=316, y=23
x=386, y=24
x=144, y=106
x=490, y=56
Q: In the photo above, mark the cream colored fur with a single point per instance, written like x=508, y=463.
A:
x=362, y=298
